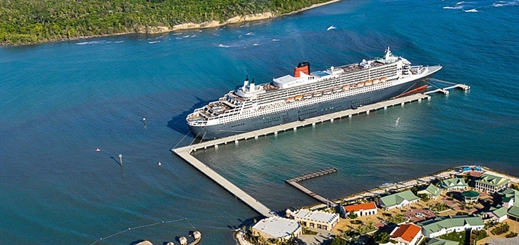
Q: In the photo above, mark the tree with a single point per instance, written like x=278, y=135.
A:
x=338, y=241
x=381, y=237
x=352, y=215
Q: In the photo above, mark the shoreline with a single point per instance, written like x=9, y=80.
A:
x=407, y=184
x=151, y=30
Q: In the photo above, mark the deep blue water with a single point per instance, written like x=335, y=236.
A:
x=60, y=101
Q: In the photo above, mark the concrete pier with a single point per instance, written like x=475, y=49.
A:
x=230, y=187
x=310, y=121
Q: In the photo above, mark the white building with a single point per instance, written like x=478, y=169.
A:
x=444, y=225
x=277, y=228
x=316, y=219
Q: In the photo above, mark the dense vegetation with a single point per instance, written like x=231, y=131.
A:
x=35, y=21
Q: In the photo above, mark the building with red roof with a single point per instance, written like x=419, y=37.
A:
x=362, y=209
x=408, y=234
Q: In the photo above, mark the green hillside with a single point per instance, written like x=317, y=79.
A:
x=37, y=21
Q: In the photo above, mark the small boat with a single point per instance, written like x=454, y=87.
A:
x=337, y=90
x=298, y=97
x=331, y=28
x=369, y=83
x=346, y=87
x=376, y=81
x=290, y=99
x=360, y=85
x=327, y=92
x=383, y=80
x=307, y=96
x=318, y=94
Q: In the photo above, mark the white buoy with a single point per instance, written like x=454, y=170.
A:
x=160, y=164
x=121, y=159
x=98, y=150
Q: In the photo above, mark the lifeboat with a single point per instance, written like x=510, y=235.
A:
x=318, y=94
x=369, y=83
x=383, y=80
x=298, y=97
x=346, y=87
x=290, y=99
x=337, y=90
x=360, y=85
x=376, y=81
x=307, y=96
x=327, y=91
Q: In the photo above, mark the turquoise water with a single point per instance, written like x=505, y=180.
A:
x=61, y=101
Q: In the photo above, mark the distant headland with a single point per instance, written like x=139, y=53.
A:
x=33, y=22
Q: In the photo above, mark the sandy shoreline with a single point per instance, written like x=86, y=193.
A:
x=234, y=20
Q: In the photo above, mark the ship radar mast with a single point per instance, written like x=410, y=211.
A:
x=388, y=53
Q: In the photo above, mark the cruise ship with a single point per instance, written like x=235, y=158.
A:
x=307, y=94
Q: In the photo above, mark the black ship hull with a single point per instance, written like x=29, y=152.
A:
x=309, y=111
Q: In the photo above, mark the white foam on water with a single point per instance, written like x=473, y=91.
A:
x=505, y=3
x=450, y=7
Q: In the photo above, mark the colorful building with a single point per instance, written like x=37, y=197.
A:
x=362, y=209
x=398, y=200
x=408, y=234
x=454, y=184
x=444, y=225
x=491, y=183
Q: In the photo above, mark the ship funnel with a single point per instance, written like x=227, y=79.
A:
x=252, y=86
x=303, y=67
x=246, y=82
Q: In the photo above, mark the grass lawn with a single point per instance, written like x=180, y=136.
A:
x=455, y=236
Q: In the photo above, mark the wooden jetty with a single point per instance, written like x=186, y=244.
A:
x=312, y=175
x=312, y=194
x=293, y=182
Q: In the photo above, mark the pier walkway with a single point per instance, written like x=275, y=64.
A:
x=320, y=198
x=310, y=121
x=243, y=196
x=312, y=175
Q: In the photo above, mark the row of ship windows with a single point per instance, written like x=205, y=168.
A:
x=358, y=102
x=338, y=82
x=237, y=125
x=361, y=101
